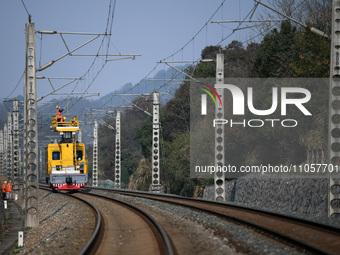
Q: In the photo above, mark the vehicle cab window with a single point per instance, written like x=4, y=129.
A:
x=80, y=155
x=55, y=155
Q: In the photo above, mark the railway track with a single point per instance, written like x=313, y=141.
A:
x=122, y=228
x=90, y=246
x=310, y=236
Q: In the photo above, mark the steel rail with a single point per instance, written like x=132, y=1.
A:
x=165, y=243
x=91, y=245
x=269, y=231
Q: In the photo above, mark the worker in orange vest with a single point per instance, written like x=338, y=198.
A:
x=4, y=185
x=59, y=113
x=62, y=121
x=9, y=190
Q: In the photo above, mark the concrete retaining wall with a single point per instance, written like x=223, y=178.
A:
x=286, y=195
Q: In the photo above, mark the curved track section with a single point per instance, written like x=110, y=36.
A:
x=128, y=229
x=91, y=245
x=121, y=228
x=311, y=236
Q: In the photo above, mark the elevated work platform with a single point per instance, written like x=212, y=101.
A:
x=65, y=126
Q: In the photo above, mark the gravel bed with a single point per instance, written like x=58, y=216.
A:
x=305, y=198
x=212, y=235
x=65, y=226
x=2, y=213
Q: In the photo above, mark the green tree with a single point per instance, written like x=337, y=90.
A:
x=311, y=55
x=239, y=61
x=275, y=53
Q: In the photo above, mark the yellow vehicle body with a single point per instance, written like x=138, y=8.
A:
x=65, y=162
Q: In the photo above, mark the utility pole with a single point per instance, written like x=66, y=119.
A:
x=118, y=172
x=31, y=142
x=219, y=133
x=95, y=155
x=9, y=147
x=15, y=157
x=334, y=109
x=155, y=185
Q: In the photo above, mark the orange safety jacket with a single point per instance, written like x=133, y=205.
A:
x=9, y=187
x=59, y=115
x=4, y=188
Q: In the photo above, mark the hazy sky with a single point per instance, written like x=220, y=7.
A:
x=153, y=28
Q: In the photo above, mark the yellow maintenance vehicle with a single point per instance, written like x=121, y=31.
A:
x=65, y=162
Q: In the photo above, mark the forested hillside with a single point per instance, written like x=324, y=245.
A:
x=284, y=52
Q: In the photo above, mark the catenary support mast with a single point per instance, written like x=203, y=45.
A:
x=219, y=133
x=31, y=143
x=334, y=108
x=15, y=144
x=2, y=152
x=9, y=146
x=5, y=143
x=155, y=185
x=95, y=155
x=118, y=172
